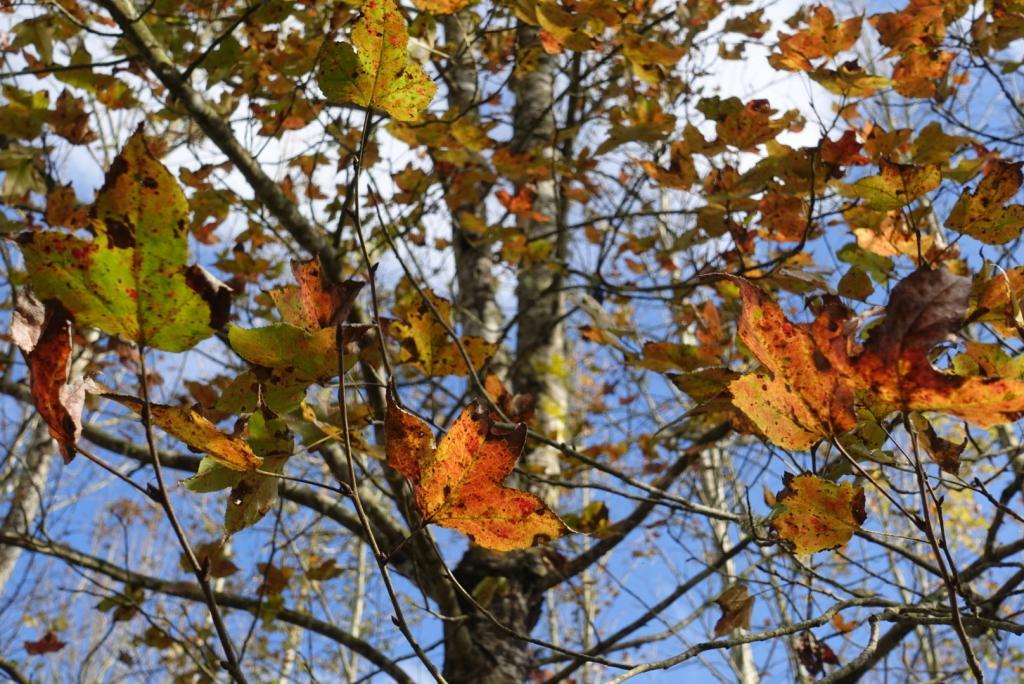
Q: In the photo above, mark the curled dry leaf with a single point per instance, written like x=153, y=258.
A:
x=737, y=606
x=43, y=333
x=813, y=514
x=49, y=643
x=458, y=483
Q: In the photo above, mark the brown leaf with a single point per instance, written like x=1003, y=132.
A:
x=48, y=644
x=813, y=654
x=43, y=333
x=813, y=514
x=737, y=605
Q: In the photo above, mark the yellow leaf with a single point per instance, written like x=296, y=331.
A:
x=815, y=514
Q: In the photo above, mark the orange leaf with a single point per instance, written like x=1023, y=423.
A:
x=823, y=37
x=458, y=483
x=804, y=395
x=315, y=303
x=814, y=514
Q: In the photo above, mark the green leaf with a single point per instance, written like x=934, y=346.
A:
x=132, y=279
x=380, y=74
x=253, y=496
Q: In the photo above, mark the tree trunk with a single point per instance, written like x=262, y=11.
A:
x=27, y=496
x=477, y=650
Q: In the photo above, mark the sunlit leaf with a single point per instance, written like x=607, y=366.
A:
x=377, y=72
x=131, y=279
x=813, y=514
x=458, y=483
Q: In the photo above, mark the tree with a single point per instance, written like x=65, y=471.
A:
x=497, y=342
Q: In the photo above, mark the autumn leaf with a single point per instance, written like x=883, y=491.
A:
x=43, y=333
x=983, y=215
x=814, y=514
x=458, y=483
x=802, y=395
x=816, y=373
x=49, y=643
x=197, y=432
x=380, y=74
x=897, y=186
x=442, y=6
x=424, y=339
x=737, y=605
x=942, y=451
x=823, y=37
x=131, y=280
x=314, y=302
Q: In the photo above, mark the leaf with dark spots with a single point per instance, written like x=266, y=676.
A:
x=196, y=431
x=813, y=514
x=131, y=280
x=315, y=302
x=215, y=293
x=984, y=214
x=797, y=403
x=43, y=333
x=458, y=483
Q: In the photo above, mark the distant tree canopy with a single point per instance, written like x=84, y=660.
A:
x=523, y=341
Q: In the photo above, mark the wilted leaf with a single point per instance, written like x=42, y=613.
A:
x=814, y=654
x=197, y=432
x=458, y=483
x=737, y=606
x=442, y=6
x=944, y=452
x=813, y=514
x=823, y=37
x=43, y=333
x=131, y=280
x=48, y=644
x=380, y=74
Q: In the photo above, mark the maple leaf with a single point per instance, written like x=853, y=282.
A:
x=803, y=394
x=813, y=514
x=814, y=374
x=823, y=37
x=380, y=74
x=737, y=605
x=897, y=186
x=49, y=643
x=131, y=280
x=43, y=333
x=982, y=214
x=458, y=483
x=425, y=342
x=196, y=431
x=315, y=302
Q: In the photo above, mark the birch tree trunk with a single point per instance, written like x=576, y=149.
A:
x=477, y=650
